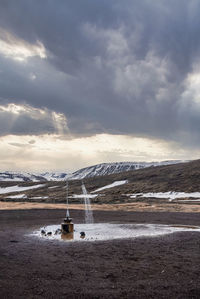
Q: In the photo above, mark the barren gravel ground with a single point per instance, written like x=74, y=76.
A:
x=161, y=267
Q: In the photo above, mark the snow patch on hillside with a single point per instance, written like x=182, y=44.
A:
x=40, y=197
x=18, y=196
x=17, y=188
x=171, y=195
x=83, y=196
x=114, y=184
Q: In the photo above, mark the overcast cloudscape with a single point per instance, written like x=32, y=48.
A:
x=81, y=78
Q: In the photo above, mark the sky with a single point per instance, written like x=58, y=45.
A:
x=86, y=82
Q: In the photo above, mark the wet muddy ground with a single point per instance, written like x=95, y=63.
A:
x=147, y=267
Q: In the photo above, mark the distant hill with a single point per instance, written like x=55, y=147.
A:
x=14, y=176
x=111, y=188
x=181, y=177
x=87, y=172
x=112, y=168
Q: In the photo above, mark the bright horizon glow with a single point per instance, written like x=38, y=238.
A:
x=53, y=152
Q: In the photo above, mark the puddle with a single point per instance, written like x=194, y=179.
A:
x=110, y=231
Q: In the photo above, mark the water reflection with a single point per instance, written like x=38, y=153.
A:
x=67, y=237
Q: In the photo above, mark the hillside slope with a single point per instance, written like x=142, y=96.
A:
x=104, y=169
x=184, y=177
x=179, y=177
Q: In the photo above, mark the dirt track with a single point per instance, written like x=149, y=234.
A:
x=161, y=267
x=131, y=207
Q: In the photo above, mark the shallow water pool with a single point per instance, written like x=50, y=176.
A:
x=110, y=231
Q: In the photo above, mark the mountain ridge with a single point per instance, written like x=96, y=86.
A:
x=97, y=170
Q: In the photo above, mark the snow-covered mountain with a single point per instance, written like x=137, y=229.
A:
x=55, y=176
x=88, y=172
x=111, y=168
x=20, y=176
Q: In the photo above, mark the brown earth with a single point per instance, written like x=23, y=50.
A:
x=159, y=267
x=136, y=206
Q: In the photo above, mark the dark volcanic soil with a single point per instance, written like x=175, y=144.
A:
x=161, y=267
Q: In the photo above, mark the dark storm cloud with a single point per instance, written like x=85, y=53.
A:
x=111, y=66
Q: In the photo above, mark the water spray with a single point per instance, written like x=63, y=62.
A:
x=88, y=208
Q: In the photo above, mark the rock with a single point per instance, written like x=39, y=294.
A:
x=82, y=234
x=58, y=231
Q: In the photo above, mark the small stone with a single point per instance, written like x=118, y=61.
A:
x=82, y=234
x=58, y=231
